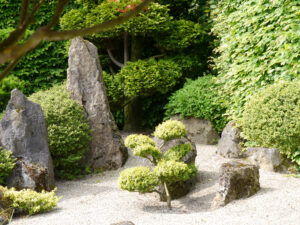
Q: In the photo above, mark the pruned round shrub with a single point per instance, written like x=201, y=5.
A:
x=134, y=140
x=68, y=130
x=139, y=179
x=146, y=150
x=30, y=202
x=272, y=119
x=173, y=171
x=177, y=152
x=7, y=164
x=169, y=130
x=199, y=99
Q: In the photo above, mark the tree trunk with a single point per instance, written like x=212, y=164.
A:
x=133, y=114
x=168, y=196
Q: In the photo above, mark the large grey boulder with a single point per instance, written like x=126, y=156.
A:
x=268, y=159
x=85, y=82
x=181, y=188
x=229, y=145
x=200, y=131
x=23, y=132
x=236, y=180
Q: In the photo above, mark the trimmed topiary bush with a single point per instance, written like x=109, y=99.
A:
x=272, y=119
x=199, y=99
x=68, y=130
x=7, y=164
x=167, y=167
x=28, y=201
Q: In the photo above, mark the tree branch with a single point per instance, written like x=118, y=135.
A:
x=113, y=59
x=9, y=68
x=61, y=4
x=23, y=13
x=44, y=34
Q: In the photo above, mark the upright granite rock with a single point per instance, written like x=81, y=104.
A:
x=181, y=188
x=200, y=131
x=236, y=181
x=229, y=145
x=23, y=132
x=85, y=82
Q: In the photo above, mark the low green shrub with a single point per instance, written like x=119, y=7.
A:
x=167, y=167
x=272, y=119
x=199, y=99
x=7, y=164
x=68, y=130
x=30, y=202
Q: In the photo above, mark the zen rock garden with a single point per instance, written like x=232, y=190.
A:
x=170, y=156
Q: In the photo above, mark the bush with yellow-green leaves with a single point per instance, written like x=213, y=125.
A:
x=28, y=201
x=7, y=164
x=168, y=167
x=272, y=119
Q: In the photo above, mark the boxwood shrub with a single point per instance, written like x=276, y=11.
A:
x=68, y=129
x=272, y=119
x=199, y=99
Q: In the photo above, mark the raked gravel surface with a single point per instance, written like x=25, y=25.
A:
x=97, y=200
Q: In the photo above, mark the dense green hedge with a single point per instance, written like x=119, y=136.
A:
x=258, y=45
x=7, y=164
x=68, y=130
x=199, y=99
x=39, y=69
x=272, y=119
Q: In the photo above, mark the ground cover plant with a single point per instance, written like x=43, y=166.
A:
x=28, y=201
x=167, y=167
x=272, y=119
x=68, y=130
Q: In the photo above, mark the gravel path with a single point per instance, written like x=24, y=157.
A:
x=97, y=199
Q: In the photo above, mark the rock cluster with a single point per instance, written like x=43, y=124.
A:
x=85, y=82
x=23, y=132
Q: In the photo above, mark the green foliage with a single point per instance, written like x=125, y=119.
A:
x=271, y=119
x=7, y=164
x=173, y=171
x=139, y=179
x=142, y=78
x=68, y=130
x=177, y=152
x=147, y=150
x=199, y=99
x=29, y=201
x=259, y=45
x=135, y=140
x=170, y=129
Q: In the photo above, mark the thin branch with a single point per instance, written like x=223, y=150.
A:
x=9, y=68
x=160, y=193
x=113, y=59
x=58, y=11
x=156, y=56
x=24, y=9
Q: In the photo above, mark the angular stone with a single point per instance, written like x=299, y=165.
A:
x=23, y=132
x=268, y=159
x=181, y=188
x=200, y=131
x=229, y=145
x=236, y=180
x=85, y=82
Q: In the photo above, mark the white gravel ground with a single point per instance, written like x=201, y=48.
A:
x=97, y=199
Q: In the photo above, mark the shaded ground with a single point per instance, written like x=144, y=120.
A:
x=97, y=199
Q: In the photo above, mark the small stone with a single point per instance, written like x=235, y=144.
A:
x=123, y=223
x=85, y=82
x=268, y=159
x=23, y=132
x=200, y=131
x=236, y=180
x=229, y=145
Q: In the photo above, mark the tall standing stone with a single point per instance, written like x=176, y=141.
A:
x=23, y=132
x=85, y=82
